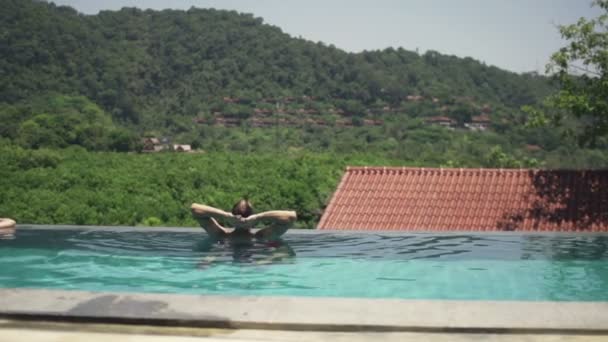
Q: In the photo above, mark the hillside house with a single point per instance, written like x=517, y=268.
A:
x=414, y=98
x=262, y=111
x=533, y=148
x=479, y=123
x=230, y=100
x=151, y=145
x=182, y=148
x=441, y=121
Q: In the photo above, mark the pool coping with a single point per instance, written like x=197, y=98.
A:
x=304, y=313
x=301, y=231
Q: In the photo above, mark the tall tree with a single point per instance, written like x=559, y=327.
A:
x=581, y=105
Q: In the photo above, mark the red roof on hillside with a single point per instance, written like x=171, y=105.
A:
x=483, y=118
x=440, y=119
x=378, y=198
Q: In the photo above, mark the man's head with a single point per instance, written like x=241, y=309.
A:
x=242, y=208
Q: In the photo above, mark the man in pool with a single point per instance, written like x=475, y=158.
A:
x=243, y=219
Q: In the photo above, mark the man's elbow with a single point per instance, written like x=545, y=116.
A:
x=291, y=216
x=197, y=209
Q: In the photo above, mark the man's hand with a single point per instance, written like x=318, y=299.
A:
x=244, y=222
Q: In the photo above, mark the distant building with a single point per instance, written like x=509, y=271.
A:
x=533, y=148
x=414, y=98
x=230, y=100
x=227, y=122
x=372, y=122
x=151, y=145
x=441, y=121
x=182, y=148
x=479, y=123
x=262, y=111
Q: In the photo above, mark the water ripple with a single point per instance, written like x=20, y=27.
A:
x=457, y=266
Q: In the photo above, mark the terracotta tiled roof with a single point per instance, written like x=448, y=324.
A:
x=440, y=119
x=377, y=198
x=483, y=118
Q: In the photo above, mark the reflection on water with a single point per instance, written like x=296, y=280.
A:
x=242, y=250
x=566, y=248
x=7, y=233
x=405, y=246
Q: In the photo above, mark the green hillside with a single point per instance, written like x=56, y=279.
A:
x=198, y=55
x=225, y=81
x=154, y=69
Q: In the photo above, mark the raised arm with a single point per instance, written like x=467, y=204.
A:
x=207, y=217
x=202, y=211
x=278, y=216
x=280, y=221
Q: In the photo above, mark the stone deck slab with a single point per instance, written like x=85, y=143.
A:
x=41, y=332
x=304, y=313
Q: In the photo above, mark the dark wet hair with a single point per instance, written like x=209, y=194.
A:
x=242, y=208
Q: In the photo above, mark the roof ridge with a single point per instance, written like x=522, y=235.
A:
x=464, y=169
x=368, y=169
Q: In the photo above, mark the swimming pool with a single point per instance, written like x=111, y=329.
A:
x=530, y=267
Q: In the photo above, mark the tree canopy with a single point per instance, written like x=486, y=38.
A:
x=154, y=68
x=581, y=104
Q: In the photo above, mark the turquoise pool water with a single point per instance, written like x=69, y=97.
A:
x=413, y=266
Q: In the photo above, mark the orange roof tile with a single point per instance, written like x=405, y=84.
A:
x=394, y=198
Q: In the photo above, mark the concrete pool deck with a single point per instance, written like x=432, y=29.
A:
x=304, y=313
x=104, y=333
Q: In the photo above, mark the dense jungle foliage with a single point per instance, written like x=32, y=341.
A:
x=156, y=70
x=270, y=116
x=73, y=186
